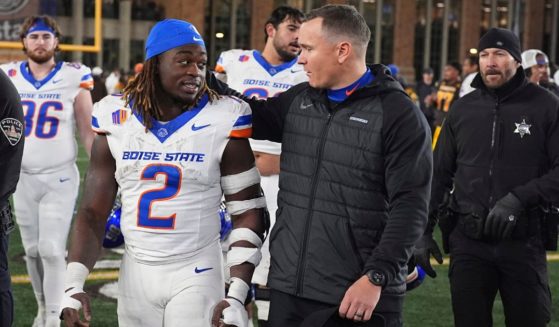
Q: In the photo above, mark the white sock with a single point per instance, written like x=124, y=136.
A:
x=53, y=283
x=35, y=271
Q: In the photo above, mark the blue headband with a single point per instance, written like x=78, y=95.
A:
x=40, y=26
x=171, y=33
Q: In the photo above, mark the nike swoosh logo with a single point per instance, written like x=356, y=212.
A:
x=201, y=270
x=349, y=92
x=197, y=128
x=56, y=81
x=293, y=71
x=197, y=39
x=62, y=180
x=305, y=106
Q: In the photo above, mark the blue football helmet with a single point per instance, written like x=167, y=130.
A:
x=226, y=223
x=113, y=234
x=415, y=278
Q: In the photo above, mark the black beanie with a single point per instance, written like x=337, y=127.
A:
x=503, y=39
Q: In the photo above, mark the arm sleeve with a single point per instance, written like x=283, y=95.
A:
x=11, y=137
x=545, y=189
x=408, y=170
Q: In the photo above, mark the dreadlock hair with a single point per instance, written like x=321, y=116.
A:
x=141, y=91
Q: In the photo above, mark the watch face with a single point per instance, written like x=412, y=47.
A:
x=376, y=277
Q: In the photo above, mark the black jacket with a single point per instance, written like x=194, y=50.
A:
x=11, y=138
x=354, y=185
x=495, y=142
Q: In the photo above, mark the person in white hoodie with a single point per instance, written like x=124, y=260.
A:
x=470, y=67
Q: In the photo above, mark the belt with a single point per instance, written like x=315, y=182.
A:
x=528, y=225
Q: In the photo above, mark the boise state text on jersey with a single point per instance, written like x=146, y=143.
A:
x=48, y=107
x=169, y=176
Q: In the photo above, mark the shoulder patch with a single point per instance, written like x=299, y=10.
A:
x=120, y=116
x=12, y=130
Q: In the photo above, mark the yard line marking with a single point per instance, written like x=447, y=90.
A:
x=551, y=257
x=113, y=274
x=98, y=275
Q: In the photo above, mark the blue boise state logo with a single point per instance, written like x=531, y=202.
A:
x=162, y=132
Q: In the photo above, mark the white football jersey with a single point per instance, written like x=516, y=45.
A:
x=250, y=74
x=48, y=106
x=170, y=177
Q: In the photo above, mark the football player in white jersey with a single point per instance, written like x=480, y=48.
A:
x=173, y=147
x=56, y=98
x=265, y=75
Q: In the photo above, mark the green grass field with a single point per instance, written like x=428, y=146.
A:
x=429, y=305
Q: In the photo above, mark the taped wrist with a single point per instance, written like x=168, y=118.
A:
x=232, y=184
x=238, y=289
x=76, y=274
x=69, y=302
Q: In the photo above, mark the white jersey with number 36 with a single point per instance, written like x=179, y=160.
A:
x=48, y=106
x=170, y=175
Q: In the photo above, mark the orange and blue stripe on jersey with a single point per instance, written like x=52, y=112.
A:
x=242, y=127
x=87, y=82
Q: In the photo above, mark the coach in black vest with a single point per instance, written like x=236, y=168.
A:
x=355, y=178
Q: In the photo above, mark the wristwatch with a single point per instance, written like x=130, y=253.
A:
x=376, y=277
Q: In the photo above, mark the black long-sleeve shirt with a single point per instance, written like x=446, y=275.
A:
x=11, y=137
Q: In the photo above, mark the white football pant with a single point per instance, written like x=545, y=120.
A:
x=177, y=294
x=44, y=207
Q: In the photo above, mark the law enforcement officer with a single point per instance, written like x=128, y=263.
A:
x=498, y=147
x=11, y=151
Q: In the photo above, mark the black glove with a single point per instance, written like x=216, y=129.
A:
x=502, y=218
x=424, y=249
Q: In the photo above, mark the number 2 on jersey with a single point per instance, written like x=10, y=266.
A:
x=45, y=126
x=259, y=93
x=170, y=189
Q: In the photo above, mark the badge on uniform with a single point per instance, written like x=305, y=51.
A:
x=522, y=128
x=12, y=129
